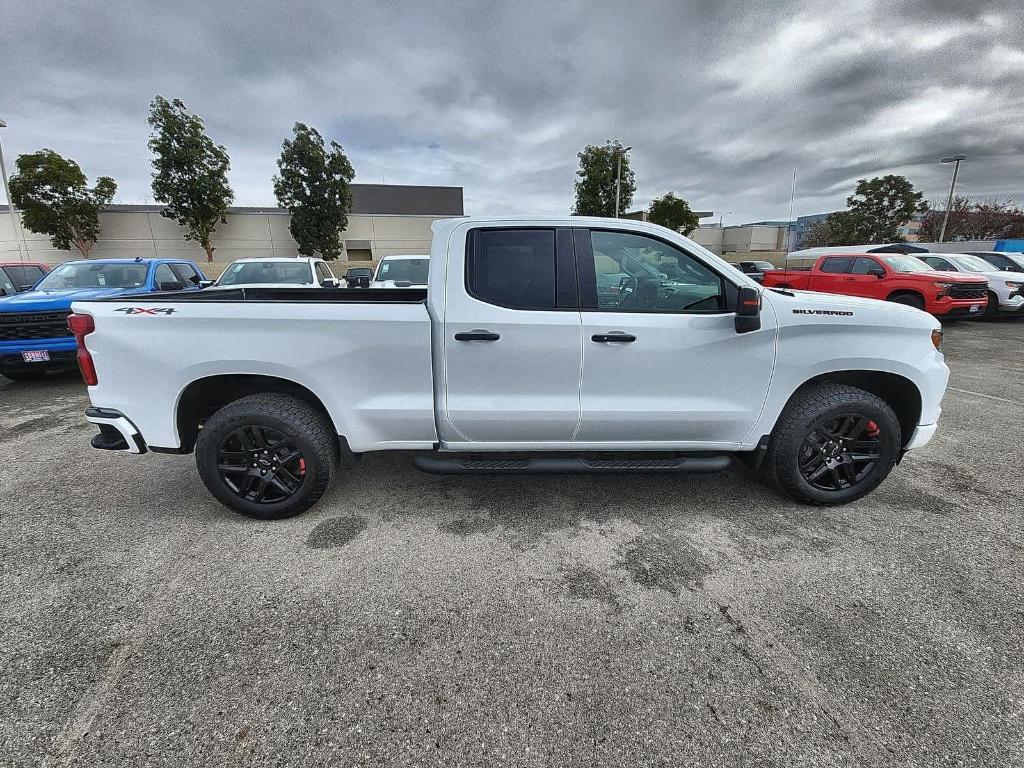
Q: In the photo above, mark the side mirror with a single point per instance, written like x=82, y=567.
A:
x=879, y=273
x=328, y=282
x=168, y=285
x=748, y=310
x=205, y=283
x=3, y=291
x=403, y=283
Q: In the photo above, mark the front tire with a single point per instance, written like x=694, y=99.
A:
x=908, y=299
x=833, y=444
x=992, y=308
x=267, y=456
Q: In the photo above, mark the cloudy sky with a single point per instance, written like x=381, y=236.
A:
x=720, y=103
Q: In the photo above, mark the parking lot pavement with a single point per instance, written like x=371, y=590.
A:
x=610, y=620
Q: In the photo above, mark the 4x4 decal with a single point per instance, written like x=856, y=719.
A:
x=146, y=310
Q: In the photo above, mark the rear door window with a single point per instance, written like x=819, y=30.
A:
x=837, y=265
x=512, y=268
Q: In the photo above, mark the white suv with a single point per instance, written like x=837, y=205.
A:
x=1005, y=289
x=277, y=272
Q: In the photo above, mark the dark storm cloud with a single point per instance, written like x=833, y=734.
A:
x=721, y=104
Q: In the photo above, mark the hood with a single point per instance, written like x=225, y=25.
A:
x=56, y=300
x=948, y=277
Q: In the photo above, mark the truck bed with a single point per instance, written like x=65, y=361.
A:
x=304, y=295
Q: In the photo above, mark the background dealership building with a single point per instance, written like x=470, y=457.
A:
x=385, y=219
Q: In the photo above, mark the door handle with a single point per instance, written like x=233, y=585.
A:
x=624, y=338
x=477, y=336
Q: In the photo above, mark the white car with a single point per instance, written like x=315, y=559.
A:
x=1005, y=289
x=277, y=272
x=402, y=271
x=513, y=360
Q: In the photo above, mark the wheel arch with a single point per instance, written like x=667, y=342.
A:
x=205, y=396
x=900, y=393
x=907, y=292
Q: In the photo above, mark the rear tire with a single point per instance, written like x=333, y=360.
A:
x=810, y=437
x=267, y=456
x=908, y=299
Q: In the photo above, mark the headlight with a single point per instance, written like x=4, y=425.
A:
x=944, y=286
x=937, y=337
x=1013, y=285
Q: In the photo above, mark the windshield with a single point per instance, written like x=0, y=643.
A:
x=413, y=270
x=79, y=275
x=904, y=263
x=972, y=263
x=264, y=272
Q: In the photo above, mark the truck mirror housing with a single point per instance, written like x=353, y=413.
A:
x=879, y=273
x=748, y=310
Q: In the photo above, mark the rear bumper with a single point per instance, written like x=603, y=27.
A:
x=117, y=433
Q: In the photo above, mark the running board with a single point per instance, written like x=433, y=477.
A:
x=454, y=464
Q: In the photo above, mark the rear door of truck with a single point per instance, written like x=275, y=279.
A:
x=511, y=338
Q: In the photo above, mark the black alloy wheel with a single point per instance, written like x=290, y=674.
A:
x=261, y=465
x=839, y=452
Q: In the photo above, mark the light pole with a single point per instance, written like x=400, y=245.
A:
x=619, y=152
x=955, y=159
x=721, y=218
x=15, y=222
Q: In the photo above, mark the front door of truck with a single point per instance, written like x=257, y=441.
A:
x=863, y=279
x=663, y=364
x=511, y=339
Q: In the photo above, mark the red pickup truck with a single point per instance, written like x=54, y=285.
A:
x=889, y=276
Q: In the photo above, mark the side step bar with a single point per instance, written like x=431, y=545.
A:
x=455, y=464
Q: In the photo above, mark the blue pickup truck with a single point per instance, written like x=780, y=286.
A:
x=34, y=335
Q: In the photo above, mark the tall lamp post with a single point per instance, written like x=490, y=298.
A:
x=955, y=159
x=618, y=176
x=15, y=223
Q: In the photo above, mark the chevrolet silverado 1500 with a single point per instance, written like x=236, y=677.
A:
x=514, y=359
x=896, y=277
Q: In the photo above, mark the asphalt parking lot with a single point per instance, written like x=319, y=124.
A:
x=417, y=620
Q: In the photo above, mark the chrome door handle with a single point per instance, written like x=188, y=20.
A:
x=477, y=336
x=624, y=338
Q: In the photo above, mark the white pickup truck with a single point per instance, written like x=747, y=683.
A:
x=540, y=345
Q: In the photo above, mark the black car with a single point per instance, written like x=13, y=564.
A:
x=1002, y=261
x=755, y=269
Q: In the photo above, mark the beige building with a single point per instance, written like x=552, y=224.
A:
x=385, y=219
x=749, y=239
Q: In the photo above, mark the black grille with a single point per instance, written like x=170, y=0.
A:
x=26, y=326
x=968, y=291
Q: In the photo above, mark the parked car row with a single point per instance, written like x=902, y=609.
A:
x=35, y=302
x=947, y=285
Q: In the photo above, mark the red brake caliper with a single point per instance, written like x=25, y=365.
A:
x=873, y=430
x=302, y=464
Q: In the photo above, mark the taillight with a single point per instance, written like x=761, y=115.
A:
x=82, y=326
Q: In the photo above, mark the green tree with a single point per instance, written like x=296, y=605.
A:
x=55, y=199
x=877, y=208
x=190, y=171
x=595, y=187
x=672, y=212
x=837, y=229
x=971, y=219
x=314, y=186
